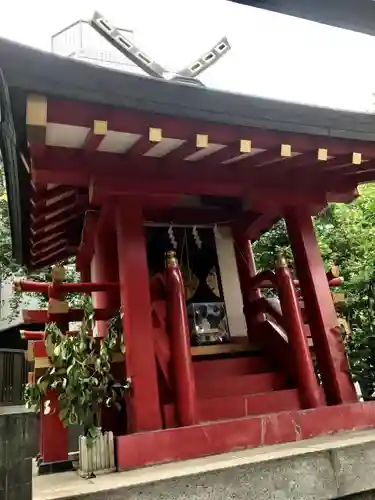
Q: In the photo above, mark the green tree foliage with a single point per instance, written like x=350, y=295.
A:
x=346, y=236
x=80, y=373
x=9, y=268
x=7, y=265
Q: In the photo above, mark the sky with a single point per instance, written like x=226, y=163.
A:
x=272, y=55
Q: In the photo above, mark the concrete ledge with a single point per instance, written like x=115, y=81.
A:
x=322, y=468
x=17, y=447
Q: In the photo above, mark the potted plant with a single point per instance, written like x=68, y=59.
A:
x=80, y=373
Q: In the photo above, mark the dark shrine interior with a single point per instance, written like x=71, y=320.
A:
x=196, y=262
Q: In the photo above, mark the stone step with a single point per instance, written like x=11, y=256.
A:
x=224, y=385
x=326, y=467
x=238, y=365
x=240, y=406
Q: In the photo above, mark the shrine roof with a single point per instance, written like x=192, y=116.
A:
x=356, y=16
x=77, y=94
x=34, y=71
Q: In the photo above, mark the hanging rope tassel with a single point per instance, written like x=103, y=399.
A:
x=197, y=238
x=216, y=232
x=172, y=238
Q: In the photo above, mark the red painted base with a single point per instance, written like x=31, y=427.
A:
x=148, y=448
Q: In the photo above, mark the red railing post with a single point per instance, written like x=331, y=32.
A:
x=186, y=398
x=307, y=382
x=53, y=439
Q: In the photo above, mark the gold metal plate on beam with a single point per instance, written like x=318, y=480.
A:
x=100, y=127
x=201, y=141
x=58, y=306
x=322, y=154
x=357, y=158
x=30, y=352
x=155, y=134
x=36, y=110
x=245, y=146
x=286, y=150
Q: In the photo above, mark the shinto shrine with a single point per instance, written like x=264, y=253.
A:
x=159, y=188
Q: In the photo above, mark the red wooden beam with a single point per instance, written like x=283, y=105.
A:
x=363, y=177
x=97, y=132
x=51, y=196
x=60, y=176
x=339, y=163
x=76, y=169
x=189, y=216
x=308, y=386
x=58, y=256
x=31, y=335
x=83, y=114
x=333, y=283
x=79, y=287
x=188, y=148
x=38, y=194
x=41, y=315
x=41, y=211
x=320, y=311
x=141, y=146
x=312, y=185
x=263, y=158
x=86, y=247
x=346, y=197
x=101, y=188
x=348, y=170
x=48, y=248
x=181, y=360
x=106, y=220
x=39, y=348
x=183, y=443
x=51, y=225
x=298, y=161
x=144, y=405
x=275, y=199
x=52, y=215
x=230, y=152
x=40, y=239
x=365, y=174
x=317, y=166
x=56, y=216
x=260, y=224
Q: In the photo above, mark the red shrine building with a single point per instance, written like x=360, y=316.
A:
x=159, y=188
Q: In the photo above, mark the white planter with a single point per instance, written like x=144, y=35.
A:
x=99, y=458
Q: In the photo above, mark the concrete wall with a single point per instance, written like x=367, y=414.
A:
x=6, y=291
x=323, y=468
x=17, y=447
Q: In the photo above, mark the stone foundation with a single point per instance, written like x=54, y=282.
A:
x=324, y=468
x=17, y=447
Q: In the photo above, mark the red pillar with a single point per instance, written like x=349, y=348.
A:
x=308, y=387
x=329, y=348
x=184, y=380
x=53, y=438
x=246, y=270
x=144, y=409
x=85, y=274
x=104, y=268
